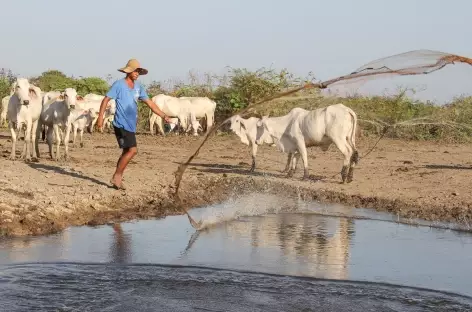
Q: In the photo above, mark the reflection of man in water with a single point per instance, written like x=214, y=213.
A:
x=120, y=252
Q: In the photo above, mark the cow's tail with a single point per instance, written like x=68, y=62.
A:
x=352, y=138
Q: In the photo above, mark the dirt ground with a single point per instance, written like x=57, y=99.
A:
x=412, y=179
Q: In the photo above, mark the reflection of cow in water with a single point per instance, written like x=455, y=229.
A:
x=315, y=245
x=119, y=250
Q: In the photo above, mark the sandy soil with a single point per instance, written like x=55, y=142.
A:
x=412, y=179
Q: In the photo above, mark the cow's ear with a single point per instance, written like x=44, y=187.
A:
x=80, y=98
x=32, y=92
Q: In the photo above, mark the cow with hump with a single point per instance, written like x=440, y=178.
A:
x=301, y=128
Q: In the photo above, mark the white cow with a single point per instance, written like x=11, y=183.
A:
x=246, y=130
x=94, y=101
x=293, y=133
x=205, y=105
x=55, y=115
x=78, y=119
x=202, y=107
x=94, y=97
x=51, y=95
x=189, y=122
x=47, y=97
x=172, y=107
x=24, y=108
x=194, y=124
x=3, y=114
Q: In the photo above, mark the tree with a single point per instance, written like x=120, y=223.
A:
x=6, y=80
x=91, y=85
x=52, y=80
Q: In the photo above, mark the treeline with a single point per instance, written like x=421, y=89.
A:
x=406, y=118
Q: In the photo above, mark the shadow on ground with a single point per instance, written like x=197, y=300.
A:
x=56, y=169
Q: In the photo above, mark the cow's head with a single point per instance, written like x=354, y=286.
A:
x=263, y=131
x=237, y=125
x=195, y=126
x=92, y=112
x=173, y=123
x=70, y=97
x=24, y=91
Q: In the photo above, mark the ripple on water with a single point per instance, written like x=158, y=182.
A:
x=85, y=287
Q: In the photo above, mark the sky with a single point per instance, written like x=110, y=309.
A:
x=169, y=38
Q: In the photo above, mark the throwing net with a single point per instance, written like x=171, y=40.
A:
x=418, y=62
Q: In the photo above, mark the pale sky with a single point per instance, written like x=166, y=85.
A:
x=169, y=38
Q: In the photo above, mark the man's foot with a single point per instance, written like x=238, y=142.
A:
x=117, y=183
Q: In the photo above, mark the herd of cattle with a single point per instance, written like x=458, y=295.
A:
x=55, y=114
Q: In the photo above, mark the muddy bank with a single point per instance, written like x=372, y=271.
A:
x=412, y=179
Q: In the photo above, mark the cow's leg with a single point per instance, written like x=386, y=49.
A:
x=295, y=159
x=293, y=164
x=209, y=123
x=66, y=142
x=301, y=148
x=152, y=120
x=12, y=127
x=49, y=140
x=344, y=147
x=82, y=138
x=93, y=124
x=34, y=138
x=57, y=132
x=27, y=146
x=253, y=155
x=61, y=135
x=39, y=130
x=74, y=136
x=160, y=125
x=353, y=160
x=289, y=161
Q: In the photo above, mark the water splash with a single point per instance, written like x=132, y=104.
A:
x=254, y=204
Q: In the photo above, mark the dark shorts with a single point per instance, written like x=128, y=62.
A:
x=125, y=138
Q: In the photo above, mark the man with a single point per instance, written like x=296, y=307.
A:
x=126, y=93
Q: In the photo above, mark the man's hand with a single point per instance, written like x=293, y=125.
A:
x=156, y=110
x=103, y=106
x=100, y=123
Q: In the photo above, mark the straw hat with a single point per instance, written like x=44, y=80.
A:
x=131, y=66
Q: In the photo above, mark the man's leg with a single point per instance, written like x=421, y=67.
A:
x=126, y=141
x=128, y=154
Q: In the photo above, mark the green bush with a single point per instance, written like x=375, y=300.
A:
x=6, y=79
x=53, y=80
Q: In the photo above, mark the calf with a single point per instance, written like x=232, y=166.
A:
x=55, y=115
x=78, y=119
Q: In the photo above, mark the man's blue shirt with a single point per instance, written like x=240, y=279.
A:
x=126, y=115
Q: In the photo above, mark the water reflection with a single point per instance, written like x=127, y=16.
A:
x=291, y=243
x=306, y=245
x=29, y=249
x=120, y=251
